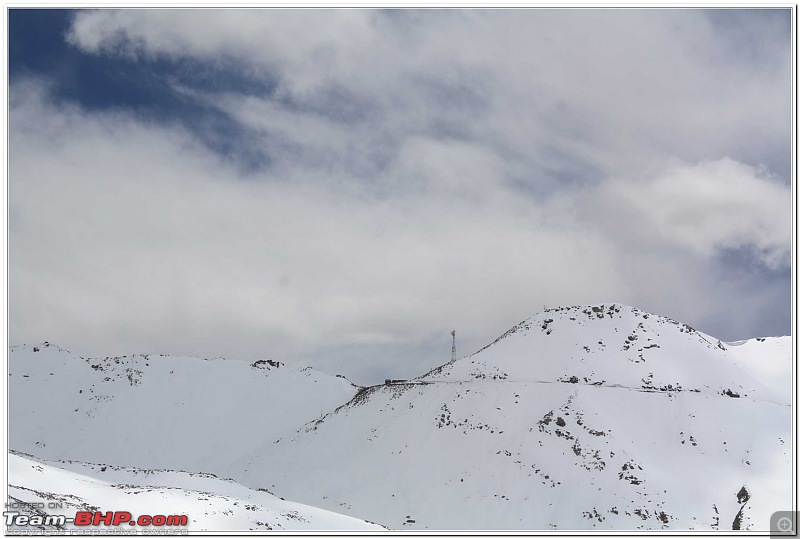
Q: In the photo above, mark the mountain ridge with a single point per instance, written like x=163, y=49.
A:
x=626, y=424
x=161, y=408
x=210, y=503
x=585, y=417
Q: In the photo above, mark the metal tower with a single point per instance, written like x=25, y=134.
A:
x=453, y=353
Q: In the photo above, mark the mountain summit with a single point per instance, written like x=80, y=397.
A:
x=620, y=346
x=590, y=417
x=593, y=417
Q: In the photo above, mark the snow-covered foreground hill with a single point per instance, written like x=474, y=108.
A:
x=600, y=417
x=210, y=503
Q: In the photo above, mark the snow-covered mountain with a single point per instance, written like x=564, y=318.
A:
x=151, y=411
x=598, y=417
x=209, y=502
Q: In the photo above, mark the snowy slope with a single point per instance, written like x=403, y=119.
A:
x=571, y=420
x=210, y=503
x=594, y=417
x=766, y=360
x=623, y=346
x=158, y=411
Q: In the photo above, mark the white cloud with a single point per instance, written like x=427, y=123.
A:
x=127, y=233
x=428, y=170
x=706, y=207
x=614, y=87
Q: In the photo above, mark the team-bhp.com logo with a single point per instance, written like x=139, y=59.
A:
x=92, y=518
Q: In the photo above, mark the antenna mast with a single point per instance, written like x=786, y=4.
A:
x=453, y=353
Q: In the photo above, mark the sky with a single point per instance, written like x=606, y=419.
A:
x=342, y=188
